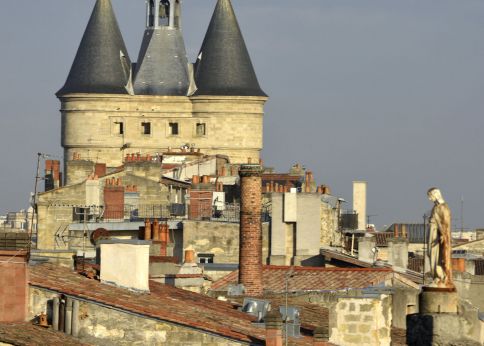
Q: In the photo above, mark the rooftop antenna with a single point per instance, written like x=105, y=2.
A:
x=461, y=216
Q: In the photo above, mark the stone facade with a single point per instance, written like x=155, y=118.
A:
x=104, y=128
x=218, y=238
x=56, y=207
x=361, y=321
x=101, y=325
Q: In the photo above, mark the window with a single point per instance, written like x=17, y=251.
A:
x=201, y=129
x=146, y=128
x=173, y=129
x=120, y=129
x=205, y=258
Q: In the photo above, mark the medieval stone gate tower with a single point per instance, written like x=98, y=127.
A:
x=112, y=107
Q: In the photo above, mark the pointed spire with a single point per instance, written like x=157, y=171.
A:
x=102, y=63
x=162, y=67
x=223, y=66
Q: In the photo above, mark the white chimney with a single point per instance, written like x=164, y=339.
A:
x=359, y=202
x=125, y=263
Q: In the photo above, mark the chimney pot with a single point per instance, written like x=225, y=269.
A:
x=155, y=230
x=189, y=256
x=147, y=234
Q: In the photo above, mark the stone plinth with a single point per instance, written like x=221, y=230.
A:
x=439, y=329
x=444, y=320
x=438, y=300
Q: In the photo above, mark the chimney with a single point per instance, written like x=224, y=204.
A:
x=396, y=231
x=52, y=175
x=189, y=256
x=250, y=252
x=147, y=234
x=359, y=202
x=156, y=230
x=273, y=321
x=125, y=263
x=14, y=285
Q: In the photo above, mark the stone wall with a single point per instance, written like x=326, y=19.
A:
x=361, y=321
x=329, y=226
x=470, y=287
x=218, y=238
x=55, y=211
x=233, y=125
x=100, y=325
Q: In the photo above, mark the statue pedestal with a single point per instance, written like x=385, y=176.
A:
x=438, y=300
x=444, y=320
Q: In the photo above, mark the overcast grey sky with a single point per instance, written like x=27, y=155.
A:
x=388, y=91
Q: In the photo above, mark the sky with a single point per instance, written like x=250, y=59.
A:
x=386, y=91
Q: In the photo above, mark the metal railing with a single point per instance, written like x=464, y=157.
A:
x=228, y=212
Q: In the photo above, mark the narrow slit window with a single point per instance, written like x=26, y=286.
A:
x=174, y=129
x=120, y=127
x=146, y=128
x=201, y=129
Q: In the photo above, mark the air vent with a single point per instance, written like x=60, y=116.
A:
x=256, y=307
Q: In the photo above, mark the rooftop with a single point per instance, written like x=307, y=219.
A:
x=21, y=334
x=164, y=303
x=313, y=278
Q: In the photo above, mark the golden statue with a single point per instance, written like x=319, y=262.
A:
x=440, y=247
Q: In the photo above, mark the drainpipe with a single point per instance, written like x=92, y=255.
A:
x=62, y=311
x=75, y=318
x=68, y=316
x=55, y=313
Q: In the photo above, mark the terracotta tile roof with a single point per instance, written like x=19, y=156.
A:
x=163, y=302
x=28, y=334
x=313, y=278
x=382, y=238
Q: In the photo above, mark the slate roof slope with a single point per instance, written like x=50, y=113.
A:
x=313, y=278
x=164, y=303
x=162, y=67
x=223, y=66
x=102, y=64
x=27, y=334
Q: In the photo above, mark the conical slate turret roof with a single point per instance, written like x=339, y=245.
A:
x=223, y=66
x=102, y=63
x=162, y=67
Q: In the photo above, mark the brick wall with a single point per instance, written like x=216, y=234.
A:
x=200, y=205
x=13, y=286
x=250, y=254
x=114, y=202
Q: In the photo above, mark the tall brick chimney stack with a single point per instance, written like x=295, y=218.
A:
x=250, y=253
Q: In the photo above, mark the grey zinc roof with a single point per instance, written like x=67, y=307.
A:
x=162, y=67
x=223, y=66
x=102, y=63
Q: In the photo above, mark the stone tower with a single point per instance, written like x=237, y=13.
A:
x=111, y=107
